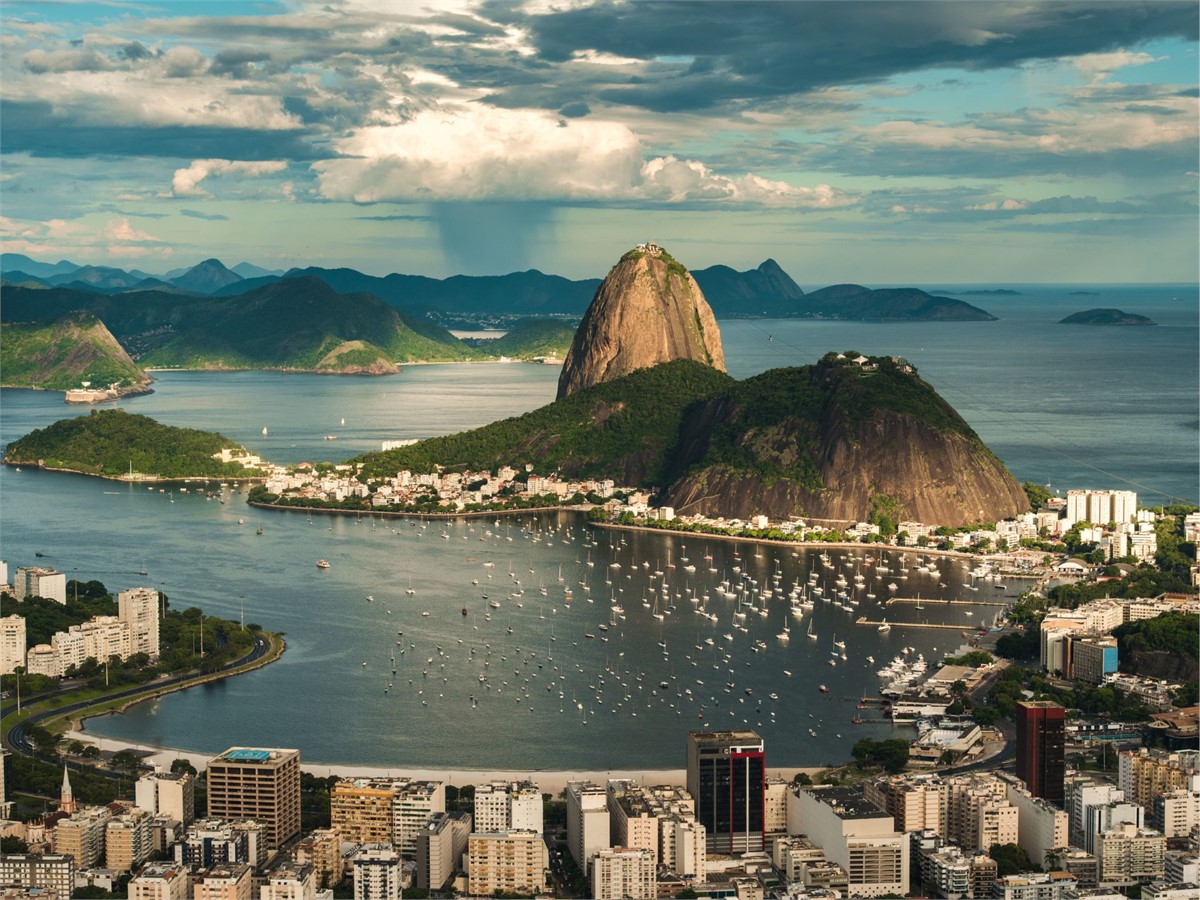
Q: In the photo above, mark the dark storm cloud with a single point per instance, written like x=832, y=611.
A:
x=723, y=52
x=134, y=51
x=207, y=217
x=242, y=62
x=36, y=128
x=575, y=109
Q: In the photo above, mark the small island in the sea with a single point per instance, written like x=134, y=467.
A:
x=1084, y=294
x=116, y=444
x=990, y=292
x=1105, y=317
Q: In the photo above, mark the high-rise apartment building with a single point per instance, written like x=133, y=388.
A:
x=170, y=794
x=440, y=846
x=1041, y=748
x=81, y=835
x=40, y=581
x=1144, y=774
x=160, y=881
x=259, y=784
x=55, y=872
x=289, y=882
x=726, y=775
x=1041, y=826
x=209, y=842
x=633, y=821
x=12, y=644
x=1128, y=853
x=505, y=806
x=1101, y=507
x=226, y=881
x=916, y=802
x=385, y=810
x=378, y=873
x=624, y=873
x=587, y=822
x=139, y=608
x=128, y=840
x=855, y=834
x=978, y=812
x=321, y=849
x=1176, y=813
x=513, y=862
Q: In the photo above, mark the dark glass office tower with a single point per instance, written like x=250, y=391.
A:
x=726, y=775
x=1041, y=741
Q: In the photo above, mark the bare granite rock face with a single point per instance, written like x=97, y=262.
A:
x=649, y=310
x=932, y=476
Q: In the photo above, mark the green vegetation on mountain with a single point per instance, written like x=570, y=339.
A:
x=1166, y=642
x=296, y=324
x=623, y=429
x=59, y=355
x=111, y=441
x=530, y=338
x=1105, y=317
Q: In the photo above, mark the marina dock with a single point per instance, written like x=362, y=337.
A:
x=925, y=602
x=863, y=620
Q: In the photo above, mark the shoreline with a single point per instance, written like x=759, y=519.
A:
x=121, y=394
x=139, y=479
x=466, y=514
x=548, y=780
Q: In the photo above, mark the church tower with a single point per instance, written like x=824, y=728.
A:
x=66, y=799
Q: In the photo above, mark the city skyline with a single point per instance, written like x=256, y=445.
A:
x=879, y=143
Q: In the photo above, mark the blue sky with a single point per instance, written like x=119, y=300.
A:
x=882, y=143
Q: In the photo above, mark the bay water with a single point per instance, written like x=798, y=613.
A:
x=1074, y=406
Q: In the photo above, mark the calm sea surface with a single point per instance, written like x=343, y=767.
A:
x=523, y=686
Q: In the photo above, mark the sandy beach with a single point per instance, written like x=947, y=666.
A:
x=550, y=782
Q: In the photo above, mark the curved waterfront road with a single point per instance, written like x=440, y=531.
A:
x=16, y=737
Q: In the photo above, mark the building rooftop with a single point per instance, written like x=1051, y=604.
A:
x=732, y=736
x=848, y=803
x=254, y=755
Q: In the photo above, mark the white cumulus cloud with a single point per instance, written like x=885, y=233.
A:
x=488, y=153
x=186, y=182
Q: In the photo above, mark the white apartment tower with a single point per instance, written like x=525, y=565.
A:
x=508, y=806
x=12, y=644
x=624, y=872
x=856, y=835
x=587, y=821
x=139, y=608
x=1101, y=507
x=170, y=794
x=377, y=873
x=40, y=581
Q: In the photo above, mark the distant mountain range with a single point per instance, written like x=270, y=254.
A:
x=766, y=291
x=297, y=324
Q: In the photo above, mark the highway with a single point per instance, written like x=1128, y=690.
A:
x=17, y=736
